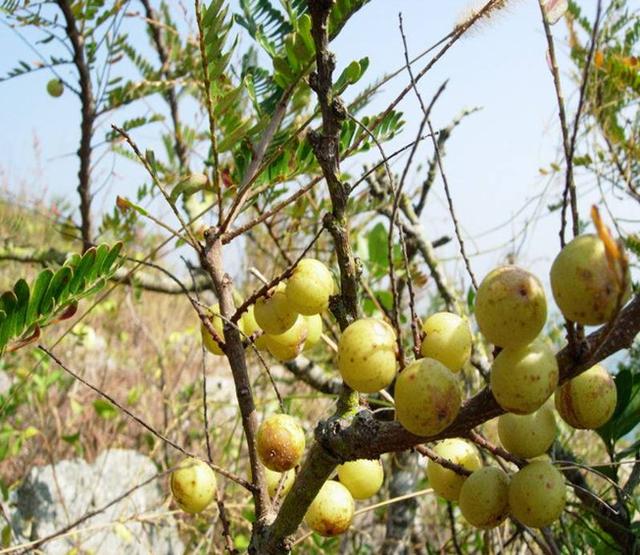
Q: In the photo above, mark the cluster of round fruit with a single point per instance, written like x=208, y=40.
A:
x=535, y=495
x=280, y=444
x=511, y=311
x=288, y=317
x=427, y=393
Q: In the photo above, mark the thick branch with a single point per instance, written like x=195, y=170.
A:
x=234, y=350
x=366, y=438
x=326, y=147
x=88, y=118
x=313, y=374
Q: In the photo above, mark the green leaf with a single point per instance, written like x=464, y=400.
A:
x=101, y=254
x=39, y=289
x=82, y=271
x=71, y=439
x=351, y=74
x=21, y=289
x=54, y=293
x=105, y=409
x=378, y=248
x=8, y=303
x=111, y=258
x=627, y=414
x=54, y=296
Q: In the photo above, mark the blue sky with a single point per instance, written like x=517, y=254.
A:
x=492, y=161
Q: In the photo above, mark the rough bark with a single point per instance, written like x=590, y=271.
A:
x=88, y=116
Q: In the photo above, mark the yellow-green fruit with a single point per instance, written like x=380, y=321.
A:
x=309, y=287
x=484, y=497
x=367, y=355
x=273, y=481
x=447, y=339
x=261, y=342
x=511, y=307
x=447, y=483
x=363, y=477
x=528, y=435
x=537, y=494
x=207, y=340
x=523, y=378
x=193, y=485
x=280, y=442
x=248, y=323
x=427, y=396
x=331, y=512
x=275, y=314
x=589, y=400
x=288, y=345
x=55, y=88
x=314, y=330
x=584, y=285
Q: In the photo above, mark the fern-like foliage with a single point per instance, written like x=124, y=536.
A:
x=53, y=295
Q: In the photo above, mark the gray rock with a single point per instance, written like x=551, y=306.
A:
x=5, y=382
x=51, y=497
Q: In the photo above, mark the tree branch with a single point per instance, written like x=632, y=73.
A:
x=211, y=259
x=364, y=437
x=170, y=94
x=88, y=112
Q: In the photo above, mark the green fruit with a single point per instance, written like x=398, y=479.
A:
x=484, y=497
x=55, y=88
x=511, y=307
x=528, y=435
x=309, y=287
x=367, y=355
x=217, y=323
x=523, y=378
x=363, y=478
x=537, y=494
x=193, y=485
x=273, y=481
x=447, y=483
x=274, y=314
x=288, y=345
x=314, y=330
x=447, y=339
x=427, y=397
x=584, y=285
x=280, y=442
x=331, y=512
x=589, y=400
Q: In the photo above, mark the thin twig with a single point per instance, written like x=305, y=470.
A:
x=30, y=547
x=142, y=423
x=152, y=173
x=206, y=83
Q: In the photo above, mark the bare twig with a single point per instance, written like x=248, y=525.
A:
x=570, y=185
x=156, y=181
x=37, y=544
x=170, y=96
x=142, y=423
